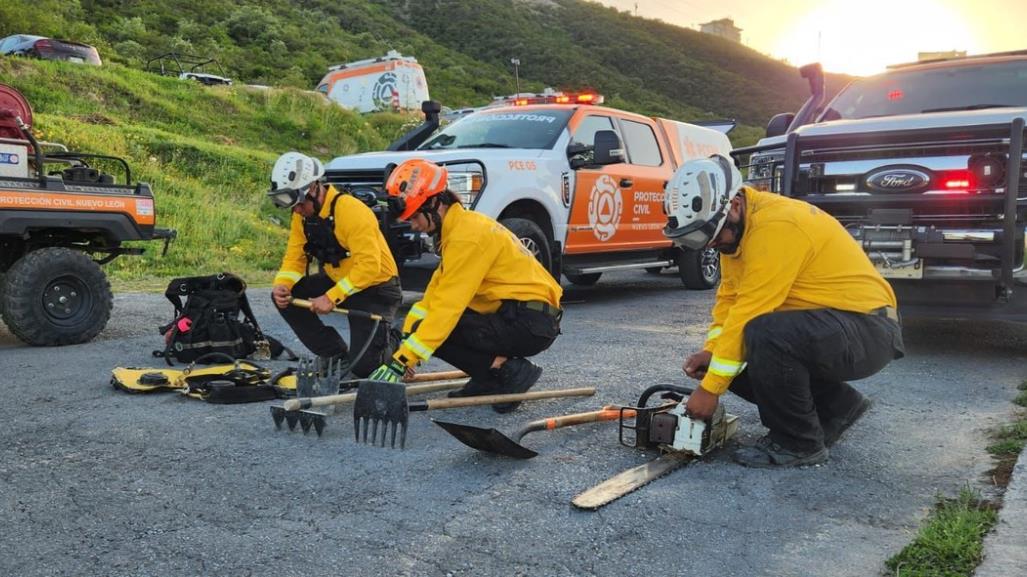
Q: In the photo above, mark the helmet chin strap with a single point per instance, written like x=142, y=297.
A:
x=738, y=228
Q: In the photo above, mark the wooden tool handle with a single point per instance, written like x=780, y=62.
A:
x=440, y=376
x=432, y=404
x=346, y=398
x=305, y=304
x=609, y=413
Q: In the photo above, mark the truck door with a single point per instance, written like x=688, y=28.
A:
x=648, y=168
x=597, y=205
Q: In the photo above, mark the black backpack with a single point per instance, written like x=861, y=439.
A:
x=208, y=321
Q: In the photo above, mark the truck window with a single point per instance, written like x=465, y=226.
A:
x=502, y=129
x=916, y=91
x=586, y=132
x=641, y=143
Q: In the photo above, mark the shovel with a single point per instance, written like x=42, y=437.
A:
x=383, y=405
x=493, y=441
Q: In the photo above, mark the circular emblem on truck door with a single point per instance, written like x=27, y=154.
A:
x=384, y=91
x=604, y=207
x=898, y=179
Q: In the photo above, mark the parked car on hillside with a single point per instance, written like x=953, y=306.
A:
x=49, y=49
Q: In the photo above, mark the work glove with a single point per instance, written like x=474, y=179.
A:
x=391, y=372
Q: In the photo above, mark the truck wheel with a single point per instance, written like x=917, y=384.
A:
x=56, y=296
x=533, y=239
x=587, y=279
x=699, y=269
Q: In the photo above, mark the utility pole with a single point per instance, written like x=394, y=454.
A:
x=517, y=79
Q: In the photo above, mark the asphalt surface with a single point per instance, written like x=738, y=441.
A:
x=98, y=482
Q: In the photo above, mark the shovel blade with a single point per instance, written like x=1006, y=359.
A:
x=487, y=440
x=380, y=409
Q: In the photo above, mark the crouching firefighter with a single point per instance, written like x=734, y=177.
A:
x=355, y=267
x=488, y=305
x=800, y=310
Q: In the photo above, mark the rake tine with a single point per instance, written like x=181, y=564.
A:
x=305, y=421
x=356, y=428
x=319, y=426
x=402, y=436
x=393, y=441
x=278, y=415
x=291, y=419
x=374, y=431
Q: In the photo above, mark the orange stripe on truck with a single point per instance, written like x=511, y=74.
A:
x=138, y=208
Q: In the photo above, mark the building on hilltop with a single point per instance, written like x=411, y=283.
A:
x=725, y=28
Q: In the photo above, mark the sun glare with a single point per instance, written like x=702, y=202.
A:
x=864, y=37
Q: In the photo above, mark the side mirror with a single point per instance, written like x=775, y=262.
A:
x=778, y=125
x=608, y=148
x=573, y=149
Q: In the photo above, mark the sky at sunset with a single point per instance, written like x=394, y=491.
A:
x=853, y=36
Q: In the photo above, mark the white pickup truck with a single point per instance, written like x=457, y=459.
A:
x=924, y=165
x=581, y=185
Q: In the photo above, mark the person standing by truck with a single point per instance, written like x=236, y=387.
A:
x=800, y=309
x=355, y=265
x=489, y=304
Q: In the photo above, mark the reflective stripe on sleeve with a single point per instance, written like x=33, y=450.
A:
x=346, y=287
x=288, y=275
x=418, y=312
x=725, y=367
x=714, y=333
x=418, y=348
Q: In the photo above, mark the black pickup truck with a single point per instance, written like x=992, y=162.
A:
x=924, y=165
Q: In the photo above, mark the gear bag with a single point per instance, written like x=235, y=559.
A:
x=208, y=321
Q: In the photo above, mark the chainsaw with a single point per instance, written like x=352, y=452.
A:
x=666, y=427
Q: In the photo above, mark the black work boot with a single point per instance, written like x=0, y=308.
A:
x=515, y=376
x=766, y=454
x=833, y=428
x=475, y=387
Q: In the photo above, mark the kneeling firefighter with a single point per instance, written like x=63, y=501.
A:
x=355, y=265
x=800, y=310
x=488, y=305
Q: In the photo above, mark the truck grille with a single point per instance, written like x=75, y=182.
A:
x=374, y=178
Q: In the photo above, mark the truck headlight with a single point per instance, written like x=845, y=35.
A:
x=764, y=169
x=467, y=185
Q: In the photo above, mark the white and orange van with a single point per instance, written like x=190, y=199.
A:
x=392, y=82
x=581, y=185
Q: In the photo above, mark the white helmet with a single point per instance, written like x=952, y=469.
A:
x=291, y=176
x=697, y=199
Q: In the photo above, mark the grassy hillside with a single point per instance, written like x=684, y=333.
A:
x=206, y=152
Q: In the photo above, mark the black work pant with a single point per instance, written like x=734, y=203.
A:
x=512, y=331
x=324, y=341
x=797, y=363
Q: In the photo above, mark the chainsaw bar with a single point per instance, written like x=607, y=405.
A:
x=627, y=481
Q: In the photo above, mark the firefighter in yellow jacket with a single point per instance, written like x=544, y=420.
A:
x=355, y=267
x=488, y=305
x=800, y=310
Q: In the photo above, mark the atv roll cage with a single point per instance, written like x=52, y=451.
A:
x=196, y=64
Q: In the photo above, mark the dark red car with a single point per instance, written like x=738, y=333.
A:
x=49, y=49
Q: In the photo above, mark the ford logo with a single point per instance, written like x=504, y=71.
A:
x=898, y=180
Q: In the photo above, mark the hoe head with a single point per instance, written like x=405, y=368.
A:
x=378, y=411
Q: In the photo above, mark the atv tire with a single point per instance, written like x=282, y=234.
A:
x=532, y=238
x=699, y=269
x=56, y=296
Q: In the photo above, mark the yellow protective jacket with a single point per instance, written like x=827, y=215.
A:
x=356, y=227
x=792, y=256
x=482, y=265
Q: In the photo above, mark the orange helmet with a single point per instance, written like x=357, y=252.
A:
x=414, y=182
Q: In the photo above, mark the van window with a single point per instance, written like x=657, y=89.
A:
x=589, y=126
x=641, y=143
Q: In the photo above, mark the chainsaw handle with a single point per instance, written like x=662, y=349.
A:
x=346, y=398
x=432, y=404
x=305, y=304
